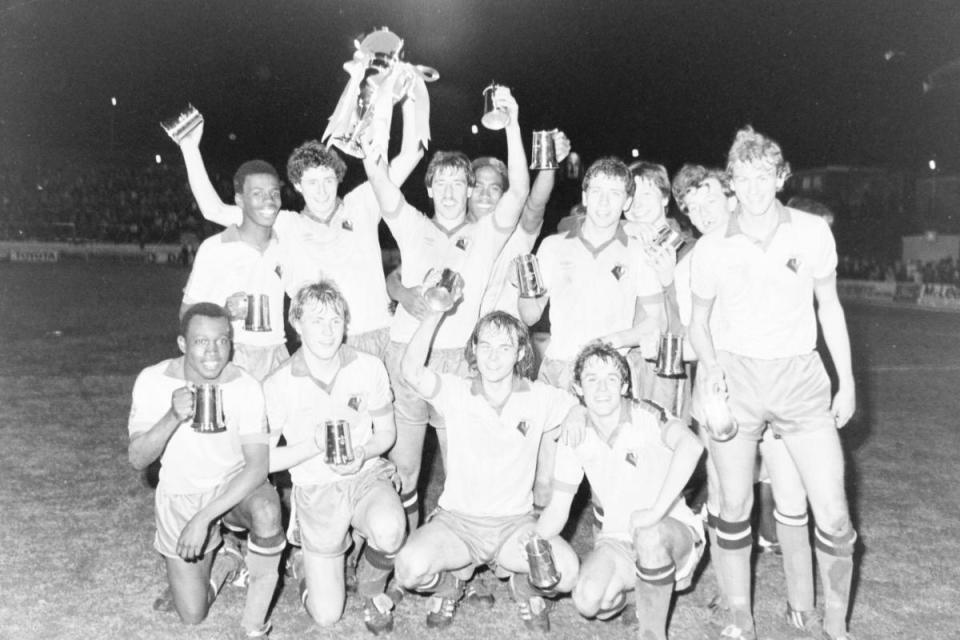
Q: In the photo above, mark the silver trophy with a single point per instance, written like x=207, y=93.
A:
x=180, y=125
x=338, y=444
x=440, y=297
x=208, y=409
x=529, y=280
x=543, y=568
x=667, y=237
x=377, y=63
x=543, y=150
x=720, y=423
x=493, y=118
x=670, y=357
x=257, y=316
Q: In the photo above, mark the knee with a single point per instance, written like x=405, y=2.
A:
x=410, y=568
x=735, y=509
x=386, y=533
x=587, y=595
x=265, y=514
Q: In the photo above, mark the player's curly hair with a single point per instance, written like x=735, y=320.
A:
x=251, y=168
x=314, y=154
x=611, y=167
x=655, y=174
x=206, y=310
x=324, y=293
x=499, y=166
x=502, y=320
x=447, y=161
x=752, y=146
x=692, y=176
x=605, y=352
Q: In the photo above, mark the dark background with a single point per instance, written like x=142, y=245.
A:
x=672, y=79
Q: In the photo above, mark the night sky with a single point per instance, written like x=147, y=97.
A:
x=673, y=79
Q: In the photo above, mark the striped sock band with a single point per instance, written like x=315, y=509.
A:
x=378, y=559
x=598, y=514
x=269, y=546
x=840, y=545
x=658, y=575
x=712, y=519
x=430, y=584
x=734, y=535
x=791, y=521
x=411, y=502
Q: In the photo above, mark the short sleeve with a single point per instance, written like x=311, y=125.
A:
x=276, y=406
x=547, y=259
x=649, y=289
x=204, y=282
x=148, y=404
x=362, y=203
x=251, y=419
x=381, y=397
x=825, y=258
x=703, y=284
x=558, y=404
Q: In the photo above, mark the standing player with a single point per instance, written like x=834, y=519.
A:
x=705, y=196
x=596, y=278
x=494, y=422
x=754, y=328
x=333, y=238
x=244, y=260
x=449, y=241
x=206, y=477
x=637, y=459
x=491, y=182
x=328, y=380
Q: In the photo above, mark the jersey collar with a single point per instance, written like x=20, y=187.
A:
x=299, y=368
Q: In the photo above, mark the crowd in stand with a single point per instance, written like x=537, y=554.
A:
x=945, y=271
x=144, y=205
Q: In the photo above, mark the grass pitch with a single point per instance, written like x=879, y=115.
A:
x=76, y=521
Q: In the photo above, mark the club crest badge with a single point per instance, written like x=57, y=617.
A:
x=462, y=243
x=631, y=458
x=278, y=270
x=794, y=264
x=347, y=225
x=523, y=427
x=354, y=402
x=618, y=271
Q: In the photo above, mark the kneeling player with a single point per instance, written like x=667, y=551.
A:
x=637, y=459
x=208, y=476
x=327, y=380
x=494, y=423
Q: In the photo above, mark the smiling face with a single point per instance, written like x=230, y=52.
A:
x=756, y=185
x=486, y=192
x=601, y=386
x=318, y=186
x=708, y=206
x=605, y=199
x=449, y=191
x=206, y=348
x=321, y=327
x=649, y=204
x=260, y=200
x=496, y=353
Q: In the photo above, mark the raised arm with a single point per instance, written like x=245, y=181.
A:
x=211, y=206
x=531, y=218
x=507, y=212
x=411, y=152
x=413, y=365
x=386, y=191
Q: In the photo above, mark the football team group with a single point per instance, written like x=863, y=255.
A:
x=347, y=413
